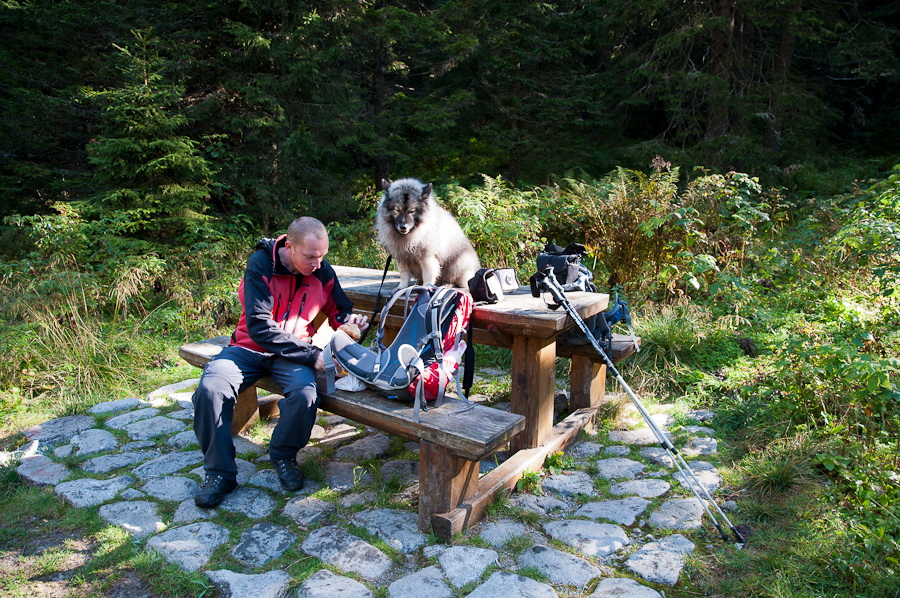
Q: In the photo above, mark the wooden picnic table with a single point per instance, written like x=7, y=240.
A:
x=452, y=440
x=522, y=323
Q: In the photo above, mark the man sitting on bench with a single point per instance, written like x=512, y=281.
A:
x=287, y=283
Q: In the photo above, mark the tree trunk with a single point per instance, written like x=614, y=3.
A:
x=720, y=67
x=778, y=87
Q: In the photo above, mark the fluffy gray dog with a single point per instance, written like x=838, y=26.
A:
x=423, y=237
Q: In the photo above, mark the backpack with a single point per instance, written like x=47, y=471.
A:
x=574, y=276
x=424, y=356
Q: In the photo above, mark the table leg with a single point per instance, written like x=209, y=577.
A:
x=533, y=376
x=587, y=383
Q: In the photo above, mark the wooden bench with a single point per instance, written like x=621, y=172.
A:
x=453, y=438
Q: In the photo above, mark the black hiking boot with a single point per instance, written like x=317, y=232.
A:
x=213, y=491
x=289, y=474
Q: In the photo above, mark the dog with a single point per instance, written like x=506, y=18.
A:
x=423, y=237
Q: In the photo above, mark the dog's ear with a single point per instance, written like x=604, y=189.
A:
x=385, y=184
x=426, y=190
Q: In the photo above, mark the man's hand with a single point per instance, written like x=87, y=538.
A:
x=320, y=362
x=360, y=320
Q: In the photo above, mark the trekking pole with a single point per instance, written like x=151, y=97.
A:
x=547, y=281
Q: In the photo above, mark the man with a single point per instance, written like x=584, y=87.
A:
x=287, y=283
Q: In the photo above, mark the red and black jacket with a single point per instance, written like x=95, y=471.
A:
x=279, y=307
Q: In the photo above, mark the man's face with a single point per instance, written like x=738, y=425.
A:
x=307, y=256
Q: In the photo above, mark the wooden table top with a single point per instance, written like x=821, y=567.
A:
x=519, y=314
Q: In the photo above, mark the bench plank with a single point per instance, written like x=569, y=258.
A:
x=470, y=432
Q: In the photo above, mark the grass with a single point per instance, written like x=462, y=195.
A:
x=798, y=370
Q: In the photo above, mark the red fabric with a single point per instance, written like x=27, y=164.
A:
x=459, y=323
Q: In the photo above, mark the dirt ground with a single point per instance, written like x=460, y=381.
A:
x=52, y=566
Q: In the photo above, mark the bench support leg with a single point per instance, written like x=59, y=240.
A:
x=245, y=411
x=587, y=383
x=504, y=477
x=445, y=481
x=531, y=395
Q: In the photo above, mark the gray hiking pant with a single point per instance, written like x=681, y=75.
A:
x=231, y=372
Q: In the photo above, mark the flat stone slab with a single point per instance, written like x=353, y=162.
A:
x=338, y=435
x=646, y=488
x=509, y=585
x=699, y=430
x=139, y=518
x=619, y=450
x=168, y=464
x=92, y=441
x=345, y=476
x=154, y=426
x=623, y=511
x=617, y=468
x=184, y=399
x=701, y=415
x=465, y=564
x=336, y=547
x=570, y=484
x=424, y=582
x=588, y=537
x=639, y=436
x=59, y=430
x=542, y=505
x=188, y=512
x=245, y=446
x=267, y=478
x=39, y=470
x=88, y=493
x=182, y=440
x=705, y=472
x=705, y=445
x=107, y=463
x=252, y=502
x=325, y=584
x=306, y=510
x=262, y=543
x=678, y=513
x=171, y=488
x=622, y=587
x=585, y=449
x=273, y=584
x=559, y=567
x=358, y=498
x=405, y=470
x=120, y=421
x=658, y=456
x=498, y=533
x=137, y=445
x=400, y=529
x=183, y=415
x=190, y=546
x=113, y=406
x=661, y=562
x=165, y=391
x=364, y=448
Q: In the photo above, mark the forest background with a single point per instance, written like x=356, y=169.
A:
x=730, y=166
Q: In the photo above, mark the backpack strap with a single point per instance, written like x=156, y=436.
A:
x=330, y=373
x=387, y=265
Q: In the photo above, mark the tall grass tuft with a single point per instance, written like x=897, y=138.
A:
x=669, y=333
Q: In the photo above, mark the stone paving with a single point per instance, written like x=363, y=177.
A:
x=615, y=521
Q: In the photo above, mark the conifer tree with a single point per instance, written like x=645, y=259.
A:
x=155, y=181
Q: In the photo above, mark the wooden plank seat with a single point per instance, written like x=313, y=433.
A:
x=452, y=438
